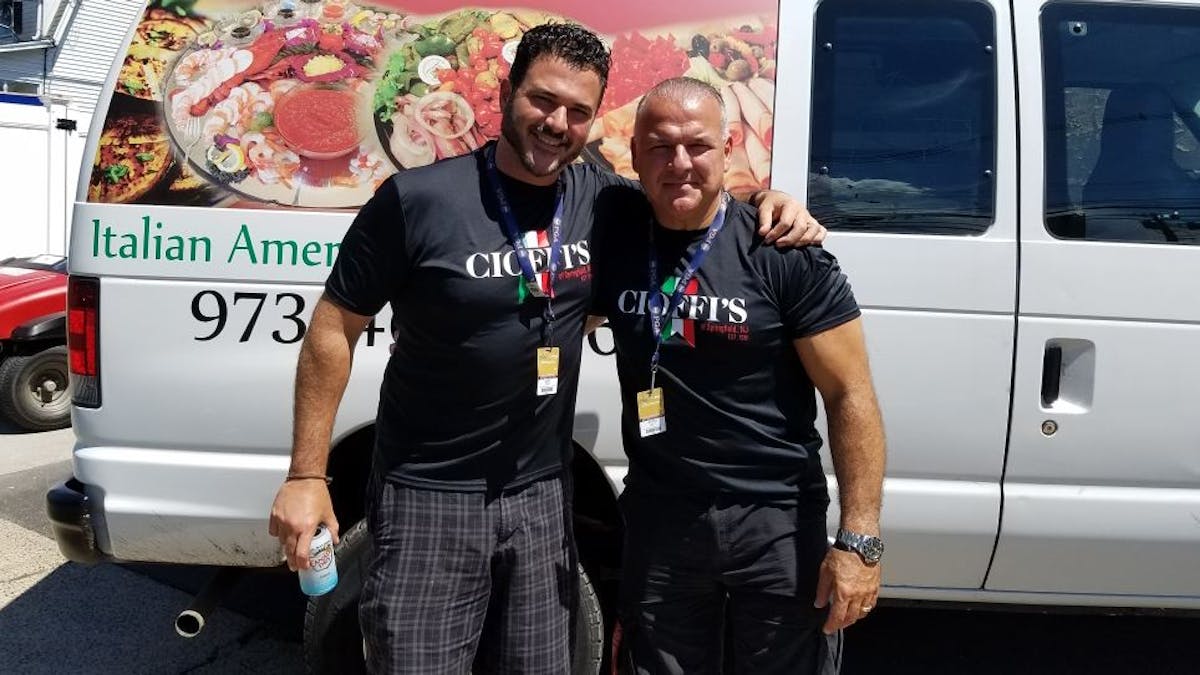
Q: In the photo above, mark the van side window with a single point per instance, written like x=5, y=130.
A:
x=904, y=116
x=1121, y=90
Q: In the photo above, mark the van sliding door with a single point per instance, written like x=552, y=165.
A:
x=912, y=168
x=1102, y=490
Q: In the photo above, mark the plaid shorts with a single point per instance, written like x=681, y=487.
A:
x=463, y=581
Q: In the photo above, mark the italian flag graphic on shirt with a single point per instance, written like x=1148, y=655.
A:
x=684, y=328
x=534, y=239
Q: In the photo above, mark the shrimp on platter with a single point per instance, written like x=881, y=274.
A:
x=269, y=158
x=261, y=54
x=185, y=101
x=193, y=66
x=369, y=166
x=236, y=115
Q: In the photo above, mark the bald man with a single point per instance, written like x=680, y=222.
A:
x=721, y=345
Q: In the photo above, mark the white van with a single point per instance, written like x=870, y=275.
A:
x=1011, y=187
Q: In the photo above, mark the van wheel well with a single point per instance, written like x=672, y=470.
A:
x=598, y=526
x=599, y=533
x=349, y=467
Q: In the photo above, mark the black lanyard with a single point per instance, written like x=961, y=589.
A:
x=655, y=297
x=509, y=221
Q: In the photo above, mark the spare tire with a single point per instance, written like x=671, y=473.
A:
x=333, y=640
x=34, y=390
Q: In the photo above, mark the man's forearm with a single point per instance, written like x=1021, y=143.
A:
x=322, y=372
x=857, y=445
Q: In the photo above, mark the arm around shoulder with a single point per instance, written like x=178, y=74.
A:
x=784, y=221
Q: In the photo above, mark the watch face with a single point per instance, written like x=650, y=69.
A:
x=872, y=548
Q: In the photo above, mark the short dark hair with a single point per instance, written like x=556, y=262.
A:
x=578, y=46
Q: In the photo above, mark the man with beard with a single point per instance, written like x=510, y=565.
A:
x=719, y=343
x=485, y=260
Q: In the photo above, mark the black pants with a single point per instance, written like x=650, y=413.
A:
x=689, y=564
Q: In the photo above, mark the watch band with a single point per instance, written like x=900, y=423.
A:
x=868, y=547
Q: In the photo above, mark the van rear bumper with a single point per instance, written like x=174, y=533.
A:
x=195, y=507
x=70, y=513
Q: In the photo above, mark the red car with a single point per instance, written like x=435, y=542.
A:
x=33, y=336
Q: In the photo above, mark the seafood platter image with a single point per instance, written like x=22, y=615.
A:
x=313, y=103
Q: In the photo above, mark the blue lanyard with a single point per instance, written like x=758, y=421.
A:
x=655, y=297
x=509, y=221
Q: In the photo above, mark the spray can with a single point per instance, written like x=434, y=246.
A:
x=321, y=575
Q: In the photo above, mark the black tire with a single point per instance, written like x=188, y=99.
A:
x=34, y=390
x=333, y=640
x=589, y=629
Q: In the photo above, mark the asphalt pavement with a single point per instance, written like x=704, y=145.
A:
x=57, y=616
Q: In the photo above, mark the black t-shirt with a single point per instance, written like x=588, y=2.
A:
x=740, y=408
x=458, y=407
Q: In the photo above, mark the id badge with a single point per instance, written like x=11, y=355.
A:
x=547, y=371
x=652, y=416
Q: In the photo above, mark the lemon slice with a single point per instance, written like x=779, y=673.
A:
x=230, y=160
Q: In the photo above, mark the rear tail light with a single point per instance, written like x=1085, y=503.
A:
x=83, y=339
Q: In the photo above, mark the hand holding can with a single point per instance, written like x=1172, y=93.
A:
x=322, y=574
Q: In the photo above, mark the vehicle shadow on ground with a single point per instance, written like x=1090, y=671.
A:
x=116, y=619
x=9, y=429
x=906, y=640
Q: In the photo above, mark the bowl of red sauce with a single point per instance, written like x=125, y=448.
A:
x=319, y=122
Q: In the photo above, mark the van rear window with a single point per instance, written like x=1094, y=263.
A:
x=313, y=103
x=1121, y=104
x=904, y=116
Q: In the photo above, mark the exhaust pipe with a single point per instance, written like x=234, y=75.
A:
x=190, y=621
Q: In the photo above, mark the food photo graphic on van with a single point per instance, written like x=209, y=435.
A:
x=291, y=103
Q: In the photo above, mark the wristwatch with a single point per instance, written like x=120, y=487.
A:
x=869, y=548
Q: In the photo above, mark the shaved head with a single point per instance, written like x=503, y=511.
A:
x=686, y=92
